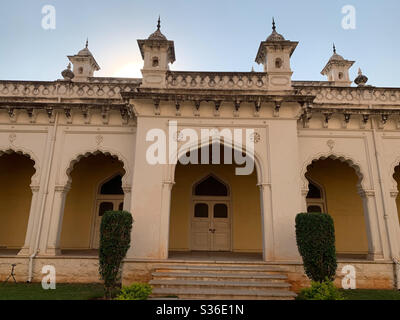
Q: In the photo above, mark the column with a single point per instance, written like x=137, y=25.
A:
x=375, y=250
x=267, y=221
x=165, y=218
x=31, y=232
x=304, y=193
x=393, y=225
x=127, y=197
x=53, y=241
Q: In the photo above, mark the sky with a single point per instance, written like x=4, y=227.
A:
x=218, y=35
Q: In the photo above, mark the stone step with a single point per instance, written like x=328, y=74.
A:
x=183, y=283
x=212, y=276
x=218, y=268
x=224, y=294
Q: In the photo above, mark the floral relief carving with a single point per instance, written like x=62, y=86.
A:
x=255, y=137
x=12, y=137
x=331, y=144
x=99, y=139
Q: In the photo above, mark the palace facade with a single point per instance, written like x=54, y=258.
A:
x=74, y=148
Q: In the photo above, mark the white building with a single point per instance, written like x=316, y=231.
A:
x=74, y=148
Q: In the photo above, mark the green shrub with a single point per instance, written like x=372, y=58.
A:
x=315, y=236
x=136, y=291
x=324, y=290
x=115, y=239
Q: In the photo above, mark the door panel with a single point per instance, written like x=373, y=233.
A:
x=211, y=226
x=102, y=207
x=200, y=227
x=221, y=227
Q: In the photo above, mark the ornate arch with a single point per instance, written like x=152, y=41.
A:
x=216, y=177
x=206, y=142
x=335, y=156
x=35, y=179
x=66, y=172
x=392, y=168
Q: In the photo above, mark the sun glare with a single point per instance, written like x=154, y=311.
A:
x=130, y=70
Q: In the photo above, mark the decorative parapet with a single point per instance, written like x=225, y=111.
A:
x=216, y=80
x=349, y=95
x=95, y=88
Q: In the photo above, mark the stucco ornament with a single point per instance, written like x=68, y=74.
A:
x=331, y=144
x=178, y=136
x=255, y=137
x=12, y=137
x=99, y=139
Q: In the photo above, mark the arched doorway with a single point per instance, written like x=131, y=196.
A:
x=94, y=178
x=396, y=177
x=315, y=197
x=211, y=217
x=334, y=187
x=110, y=197
x=16, y=171
x=211, y=196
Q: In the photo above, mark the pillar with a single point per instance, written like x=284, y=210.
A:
x=165, y=218
x=267, y=221
x=127, y=197
x=375, y=250
x=53, y=241
x=31, y=232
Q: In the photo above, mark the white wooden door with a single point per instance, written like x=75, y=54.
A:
x=211, y=226
x=101, y=207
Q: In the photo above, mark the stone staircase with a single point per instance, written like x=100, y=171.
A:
x=219, y=281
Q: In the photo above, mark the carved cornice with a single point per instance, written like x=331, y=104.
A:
x=216, y=80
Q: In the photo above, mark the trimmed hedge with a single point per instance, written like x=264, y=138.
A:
x=315, y=236
x=115, y=239
x=136, y=291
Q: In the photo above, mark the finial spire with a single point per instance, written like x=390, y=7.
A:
x=334, y=48
x=87, y=42
x=273, y=24
x=159, y=23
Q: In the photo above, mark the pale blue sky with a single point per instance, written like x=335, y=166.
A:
x=218, y=35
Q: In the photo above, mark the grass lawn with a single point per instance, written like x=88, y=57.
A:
x=365, y=294
x=34, y=291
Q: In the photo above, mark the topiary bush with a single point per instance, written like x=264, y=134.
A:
x=324, y=290
x=115, y=239
x=136, y=291
x=315, y=236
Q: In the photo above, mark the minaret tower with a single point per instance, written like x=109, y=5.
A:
x=337, y=70
x=84, y=64
x=274, y=54
x=157, y=52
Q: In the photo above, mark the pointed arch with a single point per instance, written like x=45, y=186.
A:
x=334, y=156
x=112, y=185
x=220, y=187
x=199, y=144
x=35, y=179
x=66, y=179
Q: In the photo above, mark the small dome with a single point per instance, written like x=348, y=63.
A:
x=157, y=35
x=361, y=79
x=67, y=73
x=85, y=51
x=336, y=57
x=275, y=36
